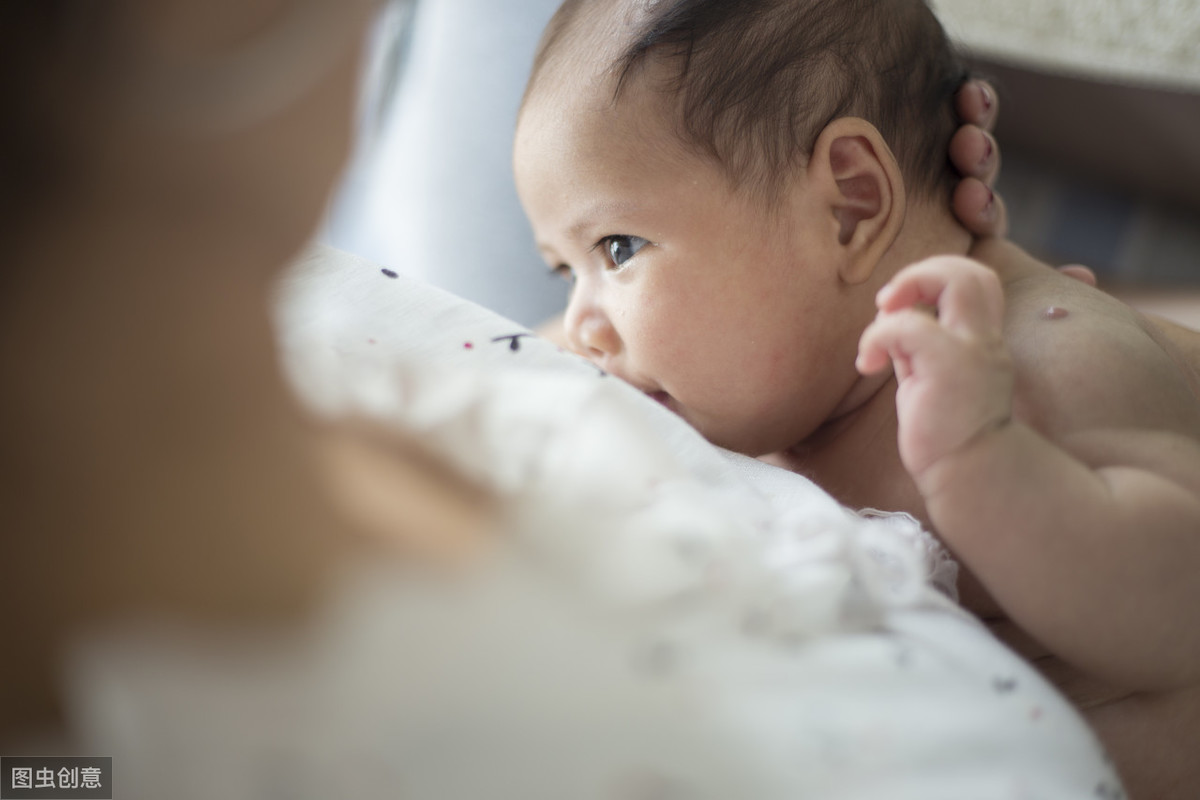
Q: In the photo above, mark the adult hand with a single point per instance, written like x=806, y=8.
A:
x=976, y=155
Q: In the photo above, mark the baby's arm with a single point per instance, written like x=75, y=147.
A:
x=1091, y=543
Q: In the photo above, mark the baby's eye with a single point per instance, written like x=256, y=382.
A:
x=621, y=248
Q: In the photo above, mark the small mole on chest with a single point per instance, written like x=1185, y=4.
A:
x=1055, y=312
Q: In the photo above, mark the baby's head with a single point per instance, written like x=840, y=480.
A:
x=728, y=182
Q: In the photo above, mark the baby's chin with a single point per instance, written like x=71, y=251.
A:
x=754, y=441
x=664, y=399
x=727, y=437
x=719, y=432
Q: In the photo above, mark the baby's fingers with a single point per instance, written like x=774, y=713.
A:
x=967, y=296
x=900, y=337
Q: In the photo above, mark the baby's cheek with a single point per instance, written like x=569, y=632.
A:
x=667, y=338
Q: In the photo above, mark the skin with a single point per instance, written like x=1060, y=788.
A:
x=746, y=322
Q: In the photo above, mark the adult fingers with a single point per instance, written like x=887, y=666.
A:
x=979, y=209
x=976, y=104
x=1080, y=273
x=975, y=154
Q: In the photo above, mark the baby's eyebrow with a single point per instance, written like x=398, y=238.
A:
x=604, y=210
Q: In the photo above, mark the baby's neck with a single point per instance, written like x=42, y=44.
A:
x=930, y=229
x=865, y=418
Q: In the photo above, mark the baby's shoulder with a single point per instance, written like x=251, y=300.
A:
x=1087, y=361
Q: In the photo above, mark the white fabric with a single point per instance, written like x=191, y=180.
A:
x=658, y=620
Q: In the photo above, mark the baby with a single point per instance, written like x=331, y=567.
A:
x=752, y=201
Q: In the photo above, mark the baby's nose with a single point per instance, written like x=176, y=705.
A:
x=590, y=333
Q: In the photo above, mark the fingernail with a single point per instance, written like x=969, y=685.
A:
x=989, y=208
x=987, y=97
x=989, y=148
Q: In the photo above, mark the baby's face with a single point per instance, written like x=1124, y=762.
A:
x=685, y=288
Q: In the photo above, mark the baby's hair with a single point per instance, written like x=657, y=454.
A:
x=756, y=81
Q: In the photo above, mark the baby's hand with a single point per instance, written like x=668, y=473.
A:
x=940, y=325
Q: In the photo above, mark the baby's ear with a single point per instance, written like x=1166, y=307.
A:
x=865, y=193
